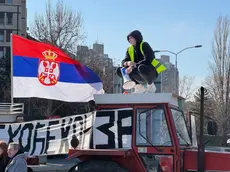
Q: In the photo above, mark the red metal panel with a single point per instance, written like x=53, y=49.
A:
x=126, y=159
x=213, y=160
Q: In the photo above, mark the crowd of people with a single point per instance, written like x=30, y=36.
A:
x=12, y=158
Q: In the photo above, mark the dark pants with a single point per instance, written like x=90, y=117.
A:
x=142, y=75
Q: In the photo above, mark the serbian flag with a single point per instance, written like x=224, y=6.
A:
x=44, y=71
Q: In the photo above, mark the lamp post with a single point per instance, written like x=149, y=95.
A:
x=176, y=54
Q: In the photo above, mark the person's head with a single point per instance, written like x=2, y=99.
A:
x=13, y=148
x=3, y=150
x=3, y=147
x=135, y=37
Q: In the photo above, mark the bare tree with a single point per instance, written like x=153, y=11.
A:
x=5, y=74
x=60, y=26
x=218, y=79
x=186, y=88
x=103, y=68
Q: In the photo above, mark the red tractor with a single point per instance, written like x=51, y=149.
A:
x=146, y=133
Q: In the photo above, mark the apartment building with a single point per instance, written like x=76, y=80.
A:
x=13, y=16
x=168, y=81
x=84, y=54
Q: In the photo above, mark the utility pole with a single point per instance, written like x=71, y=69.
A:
x=200, y=155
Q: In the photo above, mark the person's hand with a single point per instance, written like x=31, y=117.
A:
x=129, y=70
x=130, y=63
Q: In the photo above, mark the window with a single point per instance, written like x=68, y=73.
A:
x=9, y=18
x=1, y=35
x=152, y=128
x=158, y=87
x=7, y=51
x=8, y=32
x=1, y=52
x=157, y=163
x=2, y=1
x=9, y=1
x=181, y=129
x=193, y=130
x=2, y=18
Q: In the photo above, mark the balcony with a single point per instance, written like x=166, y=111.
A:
x=9, y=112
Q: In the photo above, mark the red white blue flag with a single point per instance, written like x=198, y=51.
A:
x=44, y=71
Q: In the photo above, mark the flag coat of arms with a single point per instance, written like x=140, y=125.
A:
x=44, y=71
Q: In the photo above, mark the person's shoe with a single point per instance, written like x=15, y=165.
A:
x=151, y=88
x=139, y=88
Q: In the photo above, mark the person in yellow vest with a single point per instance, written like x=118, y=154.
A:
x=141, y=64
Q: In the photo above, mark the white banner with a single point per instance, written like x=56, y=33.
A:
x=49, y=136
x=111, y=129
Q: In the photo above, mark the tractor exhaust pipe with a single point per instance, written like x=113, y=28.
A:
x=201, y=146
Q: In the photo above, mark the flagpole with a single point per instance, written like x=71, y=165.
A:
x=11, y=60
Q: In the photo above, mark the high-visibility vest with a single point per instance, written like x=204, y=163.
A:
x=158, y=66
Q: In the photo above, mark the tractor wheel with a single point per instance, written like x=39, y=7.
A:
x=98, y=166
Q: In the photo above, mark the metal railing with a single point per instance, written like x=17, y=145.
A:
x=9, y=108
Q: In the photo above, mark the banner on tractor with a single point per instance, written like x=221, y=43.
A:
x=49, y=136
x=112, y=129
x=95, y=130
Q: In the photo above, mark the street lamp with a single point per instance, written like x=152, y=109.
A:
x=196, y=46
x=177, y=78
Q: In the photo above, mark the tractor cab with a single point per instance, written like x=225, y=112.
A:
x=159, y=129
x=140, y=132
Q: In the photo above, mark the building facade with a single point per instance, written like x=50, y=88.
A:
x=13, y=16
x=98, y=49
x=117, y=82
x=168, y=81
x=112, y=82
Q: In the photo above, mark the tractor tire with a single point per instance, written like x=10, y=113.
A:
x=98, y=166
